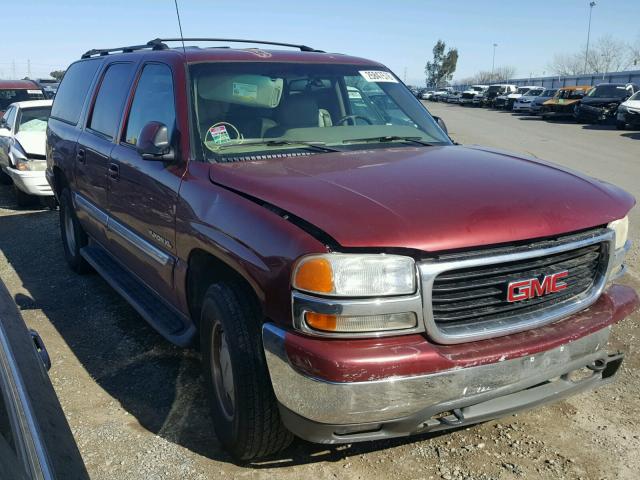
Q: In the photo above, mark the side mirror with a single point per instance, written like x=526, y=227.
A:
x=4, y=124
x=441, y=124
x=154, y=143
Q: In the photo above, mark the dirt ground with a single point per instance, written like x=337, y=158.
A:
x=137, y=409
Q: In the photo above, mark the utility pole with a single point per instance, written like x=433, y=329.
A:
x=493, y=63
x=586, y=55
x=28, y=68
x=13, y=69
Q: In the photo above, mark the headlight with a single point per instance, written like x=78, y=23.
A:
x=621, y=229
x=353, y=275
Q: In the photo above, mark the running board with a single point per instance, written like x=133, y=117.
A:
x=171, y=324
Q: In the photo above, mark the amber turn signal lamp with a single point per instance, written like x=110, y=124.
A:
x=314, y=275
x=321, y=321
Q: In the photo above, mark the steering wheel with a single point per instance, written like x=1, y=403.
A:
x=218, y=135
x=353, y=118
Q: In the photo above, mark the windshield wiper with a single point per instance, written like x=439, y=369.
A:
x=318, y=146
x=390, y=138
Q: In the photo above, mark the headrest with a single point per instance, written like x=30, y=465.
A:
x=300, y=111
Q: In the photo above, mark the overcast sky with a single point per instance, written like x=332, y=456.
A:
x=400, y=33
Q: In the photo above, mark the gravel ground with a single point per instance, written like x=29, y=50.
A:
x=136, y=404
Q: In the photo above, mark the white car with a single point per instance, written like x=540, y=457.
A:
x=512, y=97
x=472, y=92
x=523, y=103
x=629, y=113
x=22, y=149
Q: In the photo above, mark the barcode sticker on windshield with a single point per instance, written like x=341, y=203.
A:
x=34, y=92
x=378, y=76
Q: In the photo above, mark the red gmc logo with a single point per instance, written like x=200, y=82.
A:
x=524, y=289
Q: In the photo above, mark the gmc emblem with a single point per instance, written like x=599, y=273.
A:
x=525, y=289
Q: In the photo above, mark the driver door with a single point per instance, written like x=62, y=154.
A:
x=142, y=194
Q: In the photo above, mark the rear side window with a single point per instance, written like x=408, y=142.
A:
x=153, y=101
x=107, y=109
x=73, y=91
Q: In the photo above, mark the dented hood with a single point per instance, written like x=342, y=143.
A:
x=427, y=198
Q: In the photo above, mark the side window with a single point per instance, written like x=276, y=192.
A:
x=153, y=101
x=107, y=108
x=10, y=117
x=73, y=90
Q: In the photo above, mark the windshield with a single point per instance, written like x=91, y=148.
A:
x=549, y=93
x=242, y=108
x=522, y=91
x=477, y=89
x=609, y=91
x=571, y=94
x=11, y=95
x=34, y=119
x=534, y=92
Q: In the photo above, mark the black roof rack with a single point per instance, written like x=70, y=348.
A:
x=153, y=45
x=303, y=48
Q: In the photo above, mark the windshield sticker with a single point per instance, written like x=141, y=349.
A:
x=378, y=76
x=219, y=135
x=34, y=92
x=246, y=91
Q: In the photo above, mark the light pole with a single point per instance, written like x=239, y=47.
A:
x=586, y=55
x=493, y=63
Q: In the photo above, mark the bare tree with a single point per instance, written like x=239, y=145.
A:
x=634, y=52
x=608, y=55
x=567, y=64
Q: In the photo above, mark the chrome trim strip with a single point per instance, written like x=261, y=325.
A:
x=138, y=242
x=303, y=303
x=114, y=226
x=84, y=204
x=37, y=460
x=517, y=323
x=396, y=397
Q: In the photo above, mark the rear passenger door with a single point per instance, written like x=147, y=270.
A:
x=143, y=193
x=95, y=145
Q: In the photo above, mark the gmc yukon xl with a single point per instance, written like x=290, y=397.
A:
x=348, y=272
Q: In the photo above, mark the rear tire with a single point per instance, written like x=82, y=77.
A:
x=24, y=199
x=244, y=408
x=73, y=235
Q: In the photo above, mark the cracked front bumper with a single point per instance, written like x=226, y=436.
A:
x=335, y=410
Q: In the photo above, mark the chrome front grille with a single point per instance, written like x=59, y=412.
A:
x=466, y=294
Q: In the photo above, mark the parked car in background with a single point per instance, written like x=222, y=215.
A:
x=523, y=103
x=471, y=93
x=494, y=91
x=628, y=114
x=238, y=201
x=36, y=442
x=536, y=104
x=12, y=91
x=602, y=102
x=426, y=94
x=441, y=95
x=512, y=97
x=22, y=150
x=564, y=102
x=453, y=97
x=49, y=86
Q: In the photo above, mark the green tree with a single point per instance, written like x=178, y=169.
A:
x=440, y=71
x=57, y=74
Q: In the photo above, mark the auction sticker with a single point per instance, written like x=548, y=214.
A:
x=219, y=135
x=378, y=76
x=34, y=92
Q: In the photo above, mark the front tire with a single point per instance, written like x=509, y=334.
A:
x=73, y=236
x=244, y=408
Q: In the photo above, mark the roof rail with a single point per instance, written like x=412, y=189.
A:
x=303, y=48
x=153, y=45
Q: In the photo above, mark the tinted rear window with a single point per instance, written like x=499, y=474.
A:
x=107, y=109
x=73, y=90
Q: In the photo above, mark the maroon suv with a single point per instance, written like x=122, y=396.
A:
x=348, y=272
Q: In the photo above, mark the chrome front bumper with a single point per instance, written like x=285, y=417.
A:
x=393, y=398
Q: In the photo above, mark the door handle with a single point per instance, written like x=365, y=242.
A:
x=114, y=171
x=81, y=156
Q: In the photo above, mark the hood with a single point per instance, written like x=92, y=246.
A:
x=601, y=102
x=632, y=104
x=33, y=143
x=427, y=198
